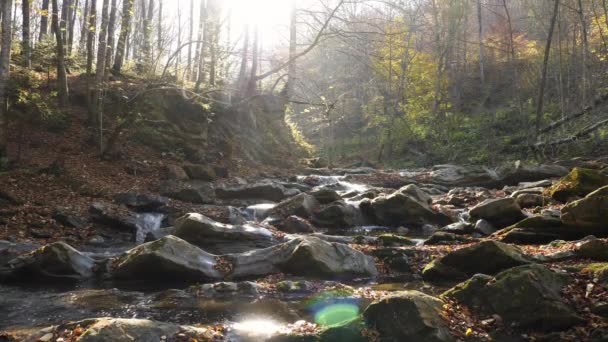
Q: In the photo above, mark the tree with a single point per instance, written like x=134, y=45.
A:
x=62, y=80
x=25, y=42
x=190, y=35
x=72, y=24
x=543, y=77
x=110, y=44
x=480, y=40
x=84, y=27
x=44, y=19
x=200, y=46
x=251, y=87
x=127, y=14
x=293, y=43
x=65, y=15
x=242, y=80
x=147, y=23
x=92, y=20
x=5, y=60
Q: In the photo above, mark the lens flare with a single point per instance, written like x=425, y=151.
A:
x=258, y=327
x=336, y=314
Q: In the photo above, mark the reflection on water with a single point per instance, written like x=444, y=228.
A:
x=257, y=328
x=336, y=314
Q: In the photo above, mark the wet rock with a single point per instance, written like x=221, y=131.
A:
x=500, y=212
x=527, y=296
x=388, y=240
x=408, y=316
x=518, y=172
x=38, y=234
x=269, y=191
x=122, y=329
x=484, y=227
x=68, y=220
x=141, y=202
x=114, y=216
x=55, y=261
x=338, y=215
x=325, y=196
x=200, y=172
x=351, y=331
x=304, y=256
x=445, y=238
x=460, y=228
x=198, y=192
x=296, y=225
x=454, y=176
x=488, y=257
x=302, y=205
x=589, y=212
x=595, y=249
x=175, y=172
x=227, y=289
x=219, y=238
x=406, y=206
x=578, y=183
x=10, y=250
x=167, y=259
x=542, y=229
x=529, y=200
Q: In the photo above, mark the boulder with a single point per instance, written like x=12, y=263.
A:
x=302, y=205
x=594, y=249
x=526, y=296
x=578, y=183
x=325, y=196
x=123, y=330
x=11, y=250
x=484, y=227
x=338, y=215
x=200, y=172
x=589, y=212
x=406, y=206
x=296, y=225
x=460, y=228
x=269, y=191
x=175, y=172
x=219, y=238
x=67, y=219
x=488, y=257
x=56, y=261
x=599, y=272
x=529, y=200
x=304, y=256
x=455, y=176
x=445, y=238
x=169, y=258
x=408, y=316
x=114, y=216
x=517, y=172
x=500, y=212
x=141, y=202
x=542, y=229
x=195, y=191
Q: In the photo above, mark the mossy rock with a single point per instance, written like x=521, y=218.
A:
x=599, y=271
x=527, y=296
x=590, y=212
x=351, y=332
x=596, y=249
x=388, y=240
x=578, y=183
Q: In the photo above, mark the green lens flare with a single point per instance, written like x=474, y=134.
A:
x=336, y=314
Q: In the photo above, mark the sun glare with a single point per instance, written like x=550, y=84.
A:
x=268, y=15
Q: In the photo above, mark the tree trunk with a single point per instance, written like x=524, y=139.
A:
x=188, y=74
x=480, y=38
x=585, y=51
x=100, y=72
x=91, y=35
x=251, y=87
x=110, y=44
x=84, y=25
x=125, y=28
x=62, y=80
x=72, y=23
x=293, y=41
x=243, y=70
x=543, y=78
x=214, y=22
x=26, y=43
x=200, y=47
x=44, y=19
x=5, y=61
x=65, y=9
x=147, y=47
x=159, y=29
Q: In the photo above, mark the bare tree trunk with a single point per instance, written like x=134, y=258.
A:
x=84, y=27
x=251, y=87
x=243, y=70
x=147, y=47
x=44, y=19
x=100, y=71
x=5, y=61
x=200, y=47
x=125, y=28
x=26, y=42
x=188, y=74
x=480, y=38
x=65, y=9
x=72, y=23
x=178, y=60
x=543, y=79
x=62, y=80
x=110, y=44
x=293, y=41
x=91, y=35
x=159, y=29
x=213, y=22
x=585, y=51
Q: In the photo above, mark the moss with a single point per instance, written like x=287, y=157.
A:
x=466, y=290
x=392, y=239
x=578, y=183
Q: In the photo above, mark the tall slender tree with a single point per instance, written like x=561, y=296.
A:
x=5, y=61
x=293, y=37
x=26, y=34
x=44, y=19
x=62, y=80
x=110, y=43
x=125, y=28
x=92, y=24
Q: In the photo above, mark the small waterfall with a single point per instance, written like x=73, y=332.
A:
x=257, y=212
x=147, y=223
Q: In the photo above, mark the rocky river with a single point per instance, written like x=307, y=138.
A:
x=442, y=254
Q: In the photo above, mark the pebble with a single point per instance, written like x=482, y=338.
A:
x=46, y=337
